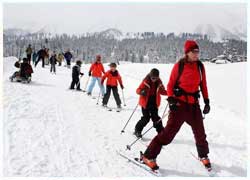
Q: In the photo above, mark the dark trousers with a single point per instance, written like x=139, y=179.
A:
x=40, y=58
x=75, y=81
x=115, y=93
x=53, y=68
x=147, y=114
x=29, y=58
x=191, y=114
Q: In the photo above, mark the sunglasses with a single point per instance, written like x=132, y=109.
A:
x=195, y=51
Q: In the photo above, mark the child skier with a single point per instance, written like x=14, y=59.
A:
x=113, y=77
x=76, y=71
x=183, y=97
x=150, y=91
x=52, y=61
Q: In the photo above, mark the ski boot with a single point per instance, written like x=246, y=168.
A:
x=149, y=162
x=119, y=108
x=137, y=134
x=206, y=162
x=89, y=93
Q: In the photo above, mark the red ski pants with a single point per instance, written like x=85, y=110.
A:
x=191, y=114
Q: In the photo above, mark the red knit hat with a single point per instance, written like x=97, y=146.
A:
x=190, y=45
x=98, y=57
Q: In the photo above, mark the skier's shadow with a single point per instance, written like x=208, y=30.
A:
x=237, y=171
x=41, y=84
x=223, y=146
x=167, y=172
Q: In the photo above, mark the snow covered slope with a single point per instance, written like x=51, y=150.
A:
x=52, y=131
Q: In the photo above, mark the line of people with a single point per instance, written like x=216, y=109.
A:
x=98, y=74
x=186, y=81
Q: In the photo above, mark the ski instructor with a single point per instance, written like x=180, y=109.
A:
x=187, y=75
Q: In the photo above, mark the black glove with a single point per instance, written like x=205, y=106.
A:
x=89, y=73
x=122, y=86
x=172, y=103
x=81, y=74
x=206, y=107
x=143, y=92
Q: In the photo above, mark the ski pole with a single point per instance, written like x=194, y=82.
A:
x=128, y=147
x=123, y=98
x=98, y=97
x=87, y=82
x=122, y=131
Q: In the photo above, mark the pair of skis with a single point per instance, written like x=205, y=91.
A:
x=138, y=162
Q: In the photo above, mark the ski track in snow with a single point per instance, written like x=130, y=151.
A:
x=52, y=131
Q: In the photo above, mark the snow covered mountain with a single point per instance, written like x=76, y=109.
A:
x=15, y=31
x=111, y=33
x=65, y=133
x=218, y=33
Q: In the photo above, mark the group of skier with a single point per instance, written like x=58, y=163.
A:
x=186, y=81
x=97, y=73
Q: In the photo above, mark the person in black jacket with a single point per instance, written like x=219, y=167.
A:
x=76, y=71
x=52, y=61
x=68, y=56
x=41, y=56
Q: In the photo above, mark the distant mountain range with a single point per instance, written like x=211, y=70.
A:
x=215, y=32
x=218, y=33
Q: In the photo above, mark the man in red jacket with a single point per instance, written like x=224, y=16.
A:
x=183, y=94
x=96, y=70
x=150, y=91
x=113, y=77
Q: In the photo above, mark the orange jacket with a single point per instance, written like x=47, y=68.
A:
x=97, y=69
x=112, y=78
x=147, y=84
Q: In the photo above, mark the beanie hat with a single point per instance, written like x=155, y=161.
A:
x=190, y=45
x=112, y=65
x=78, y=62
x=154, y=73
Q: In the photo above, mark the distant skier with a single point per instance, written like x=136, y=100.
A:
x=42, y=53
x=47, y=56
x=76, y=72
x=183, y=96
x=34, y=56
x=150, y=91
x=28, y=53
x=96, y=70
x=68, y=56
x=53, y=60
x=60, y=58
x=113, y=77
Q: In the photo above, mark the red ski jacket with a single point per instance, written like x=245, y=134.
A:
x=147, y=84
x=189, y=81
x=97, y=69
x=112, y=78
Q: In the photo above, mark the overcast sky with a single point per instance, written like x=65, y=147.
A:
x=91, y=17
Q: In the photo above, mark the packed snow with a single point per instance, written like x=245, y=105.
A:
x=52, y=131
